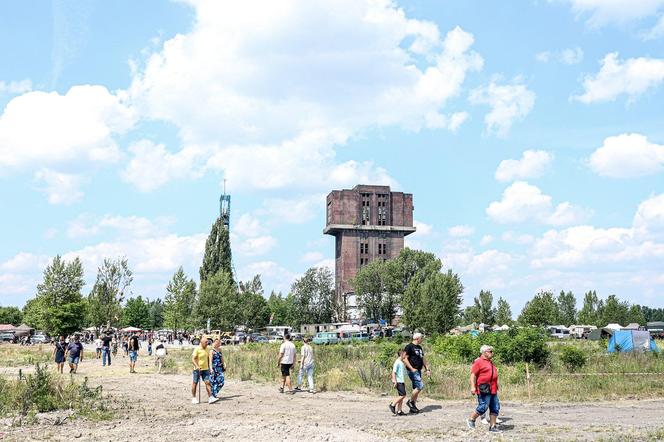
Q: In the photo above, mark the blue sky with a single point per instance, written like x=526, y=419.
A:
x=531, y=135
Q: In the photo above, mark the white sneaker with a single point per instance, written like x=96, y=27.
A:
x=212, y=399
x=486, y=422
x=194, y=401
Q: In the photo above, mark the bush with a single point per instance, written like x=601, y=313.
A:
x=573, y=358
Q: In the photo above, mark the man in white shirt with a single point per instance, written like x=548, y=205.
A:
x=287, y=354
x=306, y=367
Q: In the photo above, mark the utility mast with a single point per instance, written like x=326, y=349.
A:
x=225, y=208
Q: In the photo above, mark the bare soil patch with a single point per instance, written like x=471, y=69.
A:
x=155, y=407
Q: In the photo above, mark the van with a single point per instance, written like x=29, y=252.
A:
x=325, y=338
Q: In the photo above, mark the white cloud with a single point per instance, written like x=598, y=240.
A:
x=460, y=231
x=532, y=164
x=509, y=103
x=523, y=202
x=15, y=87
x=567, y=56
x=631, y=77
x=284, y=84
x=293, y=211
x=422, y=229
x=281, y=277
x=61, y=188
x=486, y=240
x=656, y=32
x=256, y=246
x=248, y=225
x=86, y=225
x=40, y=128
x=151, y=165
x=312, y=257
x=641, y=245
x=603, y=12
x=627, y=155
x=25, y=263
x=512, y=237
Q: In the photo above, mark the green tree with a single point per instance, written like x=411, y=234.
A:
x=471, y=315
x=217, y=257
x=484, y=306
x=255, y=308
x=378, y=287
x=156, y=314
x=541, y=310
x=589, y=313
x=218, y=300
x=281, y=309
x=313, y=297
x=11, y=315
x=136, y=313
x=567, y=308
x=179, y=302
x=58, y=307
x=504, y=313
x=636, y=315
x=105, y=299
x=614, y=311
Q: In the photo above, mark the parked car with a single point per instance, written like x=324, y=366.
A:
x=260, y=339
x=275, y=338
x=297, y=336
x=41, y=338
x=353, y=336
x=325, y=338
x=7, y=337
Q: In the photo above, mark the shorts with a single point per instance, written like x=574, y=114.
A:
x=133, y=356
x=488, y=401
x=401, y=388
x=59, y=359
x=285, y=369
x=416, y=379
x=205, y=374
x=74, y=360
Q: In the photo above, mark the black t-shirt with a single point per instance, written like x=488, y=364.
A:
x=133, y=343
x=60, y=349
x=415, y=356
x=159, y=346
x=106, y=341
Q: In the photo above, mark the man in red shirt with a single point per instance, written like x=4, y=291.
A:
x=484, y=383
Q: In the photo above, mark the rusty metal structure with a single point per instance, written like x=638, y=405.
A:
x=369, y=222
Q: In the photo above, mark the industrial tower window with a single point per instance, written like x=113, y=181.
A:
x=366, y=209
x=329, y=212
x=364, y=248
x=382, y=209
x=382, y=248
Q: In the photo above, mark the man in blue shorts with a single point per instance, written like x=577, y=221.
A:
x=201, y=360
x=415, y=361
x=74, y=354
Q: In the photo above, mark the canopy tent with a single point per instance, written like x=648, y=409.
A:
x=90, y=329
x=7, y=328
x=130, y=330
x=23, y=330
x=631, y=340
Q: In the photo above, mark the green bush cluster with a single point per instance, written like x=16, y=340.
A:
x=527, y=344
x=574, y=358
x=41, y=391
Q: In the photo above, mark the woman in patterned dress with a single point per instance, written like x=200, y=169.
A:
x=216, y=368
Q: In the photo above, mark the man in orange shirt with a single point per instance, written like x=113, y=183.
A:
x=484, y=383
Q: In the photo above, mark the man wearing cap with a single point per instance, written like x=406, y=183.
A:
x=415, y=361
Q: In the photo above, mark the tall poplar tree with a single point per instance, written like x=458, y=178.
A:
x=217, y=255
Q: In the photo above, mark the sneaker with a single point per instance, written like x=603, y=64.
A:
x=494, y=430
x=470, y=423
x=281, y=389
x=413, y=408
x=194, y=401
x=393, y=409
x=401, y=413
x=212, y=399
x=485, y=421
x=297, y=389
x=312, y=391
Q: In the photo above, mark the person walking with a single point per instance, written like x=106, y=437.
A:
x=133, y=345
x=217, y=369
x=59, y=353
x=306, y=366
x=415, y=361
x=150, y=346
x=98, y=344
x=125, y=345
x=399, y=383
x=161, y=353
x=484, y=384
x=75, y=354
x=287, y=354
x=106, y=349
x=201, y=373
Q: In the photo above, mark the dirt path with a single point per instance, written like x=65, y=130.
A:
x=160, y=410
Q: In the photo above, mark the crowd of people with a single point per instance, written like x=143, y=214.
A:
x=209, y=367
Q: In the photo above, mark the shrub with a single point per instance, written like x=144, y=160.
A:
x=573, y=358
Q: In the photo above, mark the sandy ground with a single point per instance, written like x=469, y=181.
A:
x=158, y=408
